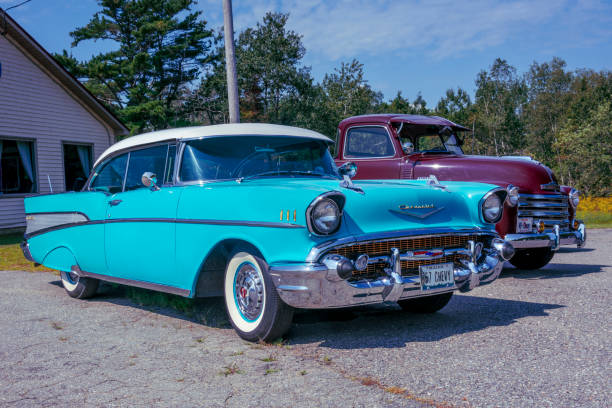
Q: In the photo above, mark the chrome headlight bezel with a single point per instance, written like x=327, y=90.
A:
x=513, y=195
x=574, y=198
x=333, y=200
x=494, y=199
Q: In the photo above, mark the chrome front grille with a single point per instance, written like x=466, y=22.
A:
x=551, y=209
x=381, y=248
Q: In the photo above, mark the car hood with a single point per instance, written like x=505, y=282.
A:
x=380, y=206
x=527, y=174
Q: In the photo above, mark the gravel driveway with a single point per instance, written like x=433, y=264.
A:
x=541, y=338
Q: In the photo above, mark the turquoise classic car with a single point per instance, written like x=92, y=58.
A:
x=261, y=215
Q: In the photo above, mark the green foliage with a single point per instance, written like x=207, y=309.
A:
x=162, y=45
x=557, y=116
x=585, y=150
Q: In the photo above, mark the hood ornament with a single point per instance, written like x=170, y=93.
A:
x=433, y=181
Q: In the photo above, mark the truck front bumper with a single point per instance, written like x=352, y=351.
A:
x=318, y=285
x=549, y=239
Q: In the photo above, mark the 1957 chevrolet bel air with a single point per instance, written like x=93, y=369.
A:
x=261, y=215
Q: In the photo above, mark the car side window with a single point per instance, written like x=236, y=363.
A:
x=152, y=159
x=109, y=177
x=365, y=142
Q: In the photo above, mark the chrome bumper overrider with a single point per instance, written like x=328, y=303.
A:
x=25, y=248
x=317, y=285
x=549, y=239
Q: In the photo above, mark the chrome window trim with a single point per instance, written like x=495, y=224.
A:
x=316, y=201
x=111, y=156
x=181, y=153
x=319, y=250
x=484, y=198
x=345, y=157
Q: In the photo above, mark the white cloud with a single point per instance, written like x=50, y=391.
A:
x=344, y=29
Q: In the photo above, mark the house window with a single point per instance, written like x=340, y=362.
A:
x=17, y=167
x=77, y=165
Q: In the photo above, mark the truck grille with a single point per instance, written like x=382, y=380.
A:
x=551, y=209
x=380, y=248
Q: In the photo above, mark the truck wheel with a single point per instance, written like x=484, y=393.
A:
x=79, y=287
x=427, y=304
x=533, y=258
x=254, y=308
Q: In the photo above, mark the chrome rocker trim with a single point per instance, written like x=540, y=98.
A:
x=317, y=285
x=549, y=239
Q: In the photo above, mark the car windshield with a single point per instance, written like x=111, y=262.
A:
x=245, y=157
x=429, y=140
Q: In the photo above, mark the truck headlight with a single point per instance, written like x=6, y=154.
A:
x=513, y=195
x=574, y=198
x=324, y=213
x=492, y=208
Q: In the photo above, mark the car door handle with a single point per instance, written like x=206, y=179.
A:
x=114, y=202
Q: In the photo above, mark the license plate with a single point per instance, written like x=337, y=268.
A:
x=524, y=224
x=437, y=276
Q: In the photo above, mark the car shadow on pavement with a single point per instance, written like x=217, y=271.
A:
x=206, y=311
x=552, y=271
x=385, y=326
x=375, y=326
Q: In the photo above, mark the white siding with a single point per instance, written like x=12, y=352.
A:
x=34, y=106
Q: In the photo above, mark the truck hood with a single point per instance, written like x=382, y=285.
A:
x=529, y=175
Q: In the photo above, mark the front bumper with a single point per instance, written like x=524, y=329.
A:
x=317, y=285
x=549, y=239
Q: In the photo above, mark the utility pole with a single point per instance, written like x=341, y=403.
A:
x=230, y=62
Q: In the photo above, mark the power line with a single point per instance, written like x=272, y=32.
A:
x=17, y=5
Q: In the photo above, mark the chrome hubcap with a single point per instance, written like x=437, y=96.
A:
x=249, y=291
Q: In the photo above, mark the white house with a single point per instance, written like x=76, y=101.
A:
x=51, y=127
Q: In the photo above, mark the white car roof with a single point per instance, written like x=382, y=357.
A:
x=234, y=129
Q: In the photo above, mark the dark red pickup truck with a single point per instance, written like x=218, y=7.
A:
x=539, y=214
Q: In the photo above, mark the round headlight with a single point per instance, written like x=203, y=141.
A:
x=325, y=217
x=492, y=208
x=574, y=198
x=513, y=195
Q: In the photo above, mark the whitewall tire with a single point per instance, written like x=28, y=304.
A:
x=253, y=306
x=79, y=287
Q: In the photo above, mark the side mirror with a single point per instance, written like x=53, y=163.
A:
x=348, y=169
x=149, y=180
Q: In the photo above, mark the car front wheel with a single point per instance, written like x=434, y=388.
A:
x=254, y=308
x=533, y=258
x=79, y=287
x=427, y=304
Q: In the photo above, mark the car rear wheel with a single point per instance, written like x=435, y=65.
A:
x=427, y=304
x=532, y=258
x=254, y=308
x=79, y=287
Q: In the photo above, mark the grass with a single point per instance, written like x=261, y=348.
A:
x=596, y=212
x=595, y=219
x=11, y=257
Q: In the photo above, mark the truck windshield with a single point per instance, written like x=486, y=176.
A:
x=431, y=142
x=244, y=157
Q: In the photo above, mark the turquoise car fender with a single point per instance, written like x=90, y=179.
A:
x=61, y=258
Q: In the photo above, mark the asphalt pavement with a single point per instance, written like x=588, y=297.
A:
x=532, y=338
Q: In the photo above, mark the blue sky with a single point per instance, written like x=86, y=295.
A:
x=410, y=46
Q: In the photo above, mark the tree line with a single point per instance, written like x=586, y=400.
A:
x=168, y=70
